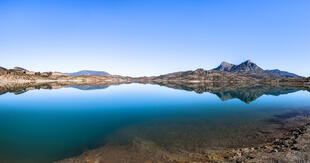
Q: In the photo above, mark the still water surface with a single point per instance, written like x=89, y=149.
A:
x=50, y=125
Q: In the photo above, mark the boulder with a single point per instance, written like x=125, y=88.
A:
x=30, y=73
x=46, y=74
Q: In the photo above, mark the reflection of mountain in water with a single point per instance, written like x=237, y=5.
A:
x=247, y=93
x=250, y=94
x=89, y=87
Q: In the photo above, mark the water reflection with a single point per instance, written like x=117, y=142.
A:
x=89, y=87
x=245, y=93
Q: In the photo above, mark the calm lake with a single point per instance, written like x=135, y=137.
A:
x=48, y=125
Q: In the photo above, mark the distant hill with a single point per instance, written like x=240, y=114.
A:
x=2, y=69
x=20, y=69
x=284, y=73
x=88, y=73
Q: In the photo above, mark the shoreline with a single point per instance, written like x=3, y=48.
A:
x=293, y=146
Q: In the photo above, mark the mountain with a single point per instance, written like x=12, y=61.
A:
x=245, y=67
x=201, y=75
x=88, y=73
x=246, y=72
x=251, y=69
x=283, y=73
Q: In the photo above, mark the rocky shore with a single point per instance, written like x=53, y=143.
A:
x=294, y=146
x=291, y=143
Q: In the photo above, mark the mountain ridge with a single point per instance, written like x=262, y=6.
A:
x=226, y=70
x=254, y=70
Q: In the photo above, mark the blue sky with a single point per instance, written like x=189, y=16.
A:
x=152, y=37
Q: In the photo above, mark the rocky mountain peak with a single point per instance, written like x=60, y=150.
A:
x=225, y=63
x=224, y=66
x=247, y=67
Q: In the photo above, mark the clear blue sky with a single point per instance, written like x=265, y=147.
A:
x=152, y=37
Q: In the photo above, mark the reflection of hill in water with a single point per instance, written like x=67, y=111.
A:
x=20, y=88
x=89, y=87
x=247, y=93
